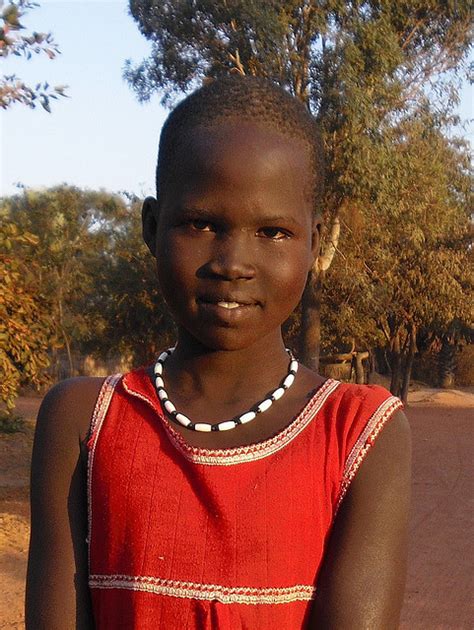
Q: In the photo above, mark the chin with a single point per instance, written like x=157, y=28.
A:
x=225, y=339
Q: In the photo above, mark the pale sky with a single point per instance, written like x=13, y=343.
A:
x=100, y=137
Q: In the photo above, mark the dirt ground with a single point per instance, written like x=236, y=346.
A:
x=440, y=571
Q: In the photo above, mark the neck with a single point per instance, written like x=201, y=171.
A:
x=225, y=375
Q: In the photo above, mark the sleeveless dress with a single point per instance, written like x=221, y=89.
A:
x=192, y=538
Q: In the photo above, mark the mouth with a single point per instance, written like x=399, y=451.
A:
x=228, y=303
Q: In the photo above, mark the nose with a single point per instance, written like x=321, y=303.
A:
x=231, y=259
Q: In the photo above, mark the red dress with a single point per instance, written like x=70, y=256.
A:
x=191, y=538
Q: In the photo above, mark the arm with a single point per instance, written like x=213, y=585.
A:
x=362, y=580
x=57, y=594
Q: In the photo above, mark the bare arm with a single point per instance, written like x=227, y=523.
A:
x=57, y=595
x=362, y=581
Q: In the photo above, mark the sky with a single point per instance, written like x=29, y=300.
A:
x=101, y=136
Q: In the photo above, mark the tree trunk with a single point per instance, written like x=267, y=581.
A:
x=395, y=365
x=310, y=332
x=447, y=363
x=65, y=336
x=408, y=365
x=359, y=367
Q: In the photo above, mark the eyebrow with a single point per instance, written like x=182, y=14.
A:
x=216, y=215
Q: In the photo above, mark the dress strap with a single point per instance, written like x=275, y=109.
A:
x=98, y=416
x=365, y=441
x=101, y=407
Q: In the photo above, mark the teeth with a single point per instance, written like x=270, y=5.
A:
x=228, y=304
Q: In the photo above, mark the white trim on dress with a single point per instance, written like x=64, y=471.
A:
x=252, y=452
x=366, y=439
x=208, y=592
x=100, y=411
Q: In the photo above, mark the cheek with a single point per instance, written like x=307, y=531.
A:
x=289, y=274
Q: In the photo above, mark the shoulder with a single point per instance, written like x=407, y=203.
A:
x=69, y=405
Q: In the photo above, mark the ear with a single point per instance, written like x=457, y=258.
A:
x=150, y=214
x=315, y=239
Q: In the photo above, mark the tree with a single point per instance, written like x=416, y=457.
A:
x=405, y=257
x=124, y=306
x=25, y=326
x=94, y=271
x=361, y=68
x=74, y=231
x=13, y=42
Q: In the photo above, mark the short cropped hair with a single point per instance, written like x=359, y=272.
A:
x=243, y=98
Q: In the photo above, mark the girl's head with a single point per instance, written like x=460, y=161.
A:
x=234, y=229
x=237, y=98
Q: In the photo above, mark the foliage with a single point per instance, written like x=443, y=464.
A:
x=11, y=423
x=14, y=42
x=94, y=270
x=25, y=327
x=404, y=260
x=74, y=230
x=125, y=300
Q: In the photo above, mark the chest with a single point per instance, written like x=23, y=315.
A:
x=257, y=514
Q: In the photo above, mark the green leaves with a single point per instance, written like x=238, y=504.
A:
x=14, y=42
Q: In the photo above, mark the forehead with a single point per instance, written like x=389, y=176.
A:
x=242, y=155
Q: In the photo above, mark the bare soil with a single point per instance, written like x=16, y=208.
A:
x=440, y=569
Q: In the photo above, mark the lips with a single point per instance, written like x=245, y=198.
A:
x=227, y=302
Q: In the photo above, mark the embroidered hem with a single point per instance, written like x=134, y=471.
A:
x=252, y=452
x=209, y=592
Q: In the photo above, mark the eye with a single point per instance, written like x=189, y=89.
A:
x=201, y=225
x=273, y=233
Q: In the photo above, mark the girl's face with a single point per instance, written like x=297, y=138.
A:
x=233, y=234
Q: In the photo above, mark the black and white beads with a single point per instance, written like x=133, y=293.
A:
x=226, y=425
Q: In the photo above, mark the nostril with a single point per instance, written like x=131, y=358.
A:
x=229, y=263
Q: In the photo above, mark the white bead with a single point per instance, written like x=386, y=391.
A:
x=288, y=382
x=278, y=393
x=247, y=417
x=182, y=419
x=162, y=357
x=159, y=382
x=158, y=369
x=202, y=426
x=264, y=405
x=169, y=406
x=294, y=366
x=225, y=426
x=162, y=394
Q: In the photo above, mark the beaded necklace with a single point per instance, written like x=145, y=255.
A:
x=226, y=425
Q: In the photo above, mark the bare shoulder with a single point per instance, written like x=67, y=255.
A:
x=68, y=406
x=58, y=550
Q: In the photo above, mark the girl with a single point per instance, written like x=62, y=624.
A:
x=226, y=486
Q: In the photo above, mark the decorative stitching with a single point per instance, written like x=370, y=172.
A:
x=98, y=416
x=209, y=592
x=366, y=439
x=252, y=452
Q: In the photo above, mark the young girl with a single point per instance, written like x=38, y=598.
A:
x=226, y=486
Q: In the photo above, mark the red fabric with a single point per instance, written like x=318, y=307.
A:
x=177, y=543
